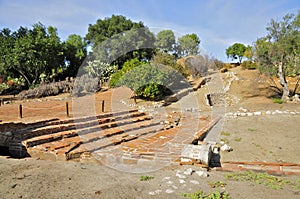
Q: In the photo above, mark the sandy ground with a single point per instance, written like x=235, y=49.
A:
x=28, y=178
x=270, y=138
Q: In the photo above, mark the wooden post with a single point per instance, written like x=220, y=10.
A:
x=21, y=111
x=102, y=106
x=67, y=108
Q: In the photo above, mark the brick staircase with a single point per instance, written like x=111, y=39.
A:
x=69, y=139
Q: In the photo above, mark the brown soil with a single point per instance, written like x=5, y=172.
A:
x=270, y=138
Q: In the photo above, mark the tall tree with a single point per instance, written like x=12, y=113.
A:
x=236, y=51
x=116, y=39
x=278, y=53
x=33, y=52
x=165, y=40
x=75, y=53
x=188, y=45
x=249, y=52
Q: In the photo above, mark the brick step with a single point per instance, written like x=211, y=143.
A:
x=109, y=132
x=60, y=144
x=55, y=150
x=84, y=129
x=107, y=142
x=73, y=126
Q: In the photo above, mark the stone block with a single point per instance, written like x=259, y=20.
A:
x=202, y=153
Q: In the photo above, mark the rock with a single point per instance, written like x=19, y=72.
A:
x=243, y=109
x=249, y=114
x=174, y=187
x=166, y=178
x=296, y=98
x=194, y=182
x=170, y=182
x=152, y=193
x=202, y=153
x=243, y=114
x=257, y=113
x=181, y=181
x=268, y=112
x=189, y=171
x=13, y=186
x=223, y=70
x=180, y=176
x=202, y=173
x=169, y=191
x=226, y=147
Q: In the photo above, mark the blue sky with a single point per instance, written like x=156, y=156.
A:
x=218, y=23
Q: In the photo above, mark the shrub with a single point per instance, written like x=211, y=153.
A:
x=249, y=65
x=277, y=100
x=148, y=81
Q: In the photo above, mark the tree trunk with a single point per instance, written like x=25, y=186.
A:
x=286, y=90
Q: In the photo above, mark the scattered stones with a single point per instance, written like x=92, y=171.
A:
x=247, y=113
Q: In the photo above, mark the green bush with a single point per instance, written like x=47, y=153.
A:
x=148, y=81
x=277, y=100
x=249, y=65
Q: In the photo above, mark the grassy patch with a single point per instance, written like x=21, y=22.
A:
x=250, y=129
x=146, y=178
x=217, y=184
x=238, y=139
x=277, y=100
x=297, y=184
x=259, y=178
x=226, y=141
x=202, y=195
x=225, y=133
x=257, y=145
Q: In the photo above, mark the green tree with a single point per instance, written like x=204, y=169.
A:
x=188, y=45
x=7, y=40
x=278, y=53
x=116, y=39
x=165, y=40
x=75, y=53
x=32, y=52
x=236, y=51
x=249, y=52
x=163, y=58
